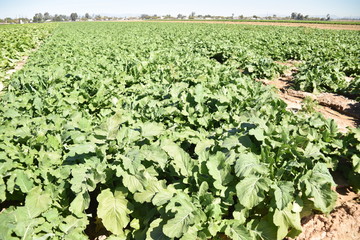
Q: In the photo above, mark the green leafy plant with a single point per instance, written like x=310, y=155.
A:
x=132, y=127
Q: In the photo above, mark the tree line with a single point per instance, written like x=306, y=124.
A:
x=39, y=17
x=45, y=17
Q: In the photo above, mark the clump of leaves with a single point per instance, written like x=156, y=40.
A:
x=309, y=105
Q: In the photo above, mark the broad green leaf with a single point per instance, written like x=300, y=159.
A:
x=286, y=220
x=155, y=231
x=182, y=162
x=324, y=197
x=283, y=193
x=155, y=154
x=248, y=164
x=163, y=196
x=113, y=124
x=312, y=151
x=186, y=215
x=36, y=202
x=265, y=229
x=133, y=183
x=231, y=142
x=177, y=226
x=23, y=181
x=153, y=187
x=203, y=145
x=258, y=133
x=251, y=191
x=219, y=170
x=81, y=148
x=318, y=183
x=151, y=129
x=73, y=226
x=356, y=163
x=80, y=204
x=238, y=232
x=25, y=228
x=114, y=210
x=82, y=180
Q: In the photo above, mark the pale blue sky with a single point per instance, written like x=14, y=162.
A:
x=27, y=8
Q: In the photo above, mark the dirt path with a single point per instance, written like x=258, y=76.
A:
x=311, y=25
x=344, y=111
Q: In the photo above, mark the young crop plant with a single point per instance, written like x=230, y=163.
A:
x=132, y=131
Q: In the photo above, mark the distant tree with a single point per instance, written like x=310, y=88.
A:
x=73, y=16
x=87, y=16
x=38, y=18
x=145, y=16
x=180, y=16
x=256, y=17
x=232, y=16
x=328, y=17
x=168, y=16
x=192, y=15
x=299, y=16
x=293, y=15
x=47, y=16
x=241, y=17
x=306, y=17
x=8, y=20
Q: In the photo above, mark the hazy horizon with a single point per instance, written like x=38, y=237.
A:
x=23, y=8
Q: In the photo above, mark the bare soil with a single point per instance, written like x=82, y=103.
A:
x=310, y=25
x=342, y=223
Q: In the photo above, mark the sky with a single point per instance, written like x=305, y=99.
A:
x=27, y=8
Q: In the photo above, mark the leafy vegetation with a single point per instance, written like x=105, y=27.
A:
x=329, y=76
x=138, y=128
x=17, y=41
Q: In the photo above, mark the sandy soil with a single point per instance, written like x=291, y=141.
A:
x=342, y=223
x=311, y=25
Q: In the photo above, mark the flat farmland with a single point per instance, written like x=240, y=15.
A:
x=319, y=25
x=156, y=130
